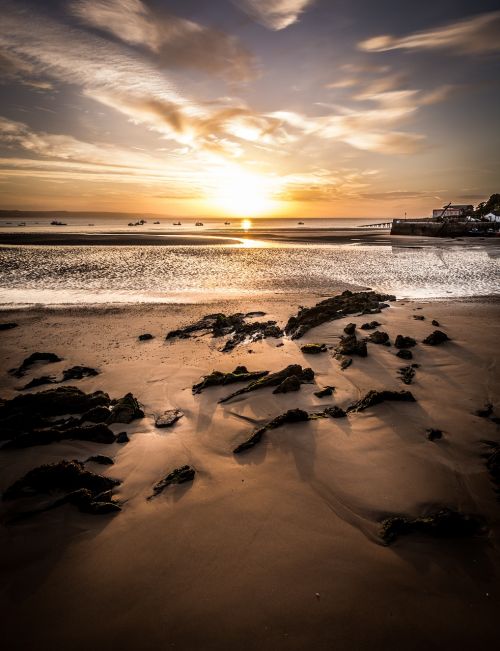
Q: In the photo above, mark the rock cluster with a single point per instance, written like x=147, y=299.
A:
x=177, y=476
x=276, y=379
x=444, y=523
x=218, y=378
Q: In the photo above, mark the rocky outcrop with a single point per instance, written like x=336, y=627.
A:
x=177, y=476
x=34, y=358
x=436, y=338
x=335, y=308
x=102, y=459
x=145, y=337
x=444, y=523
x=125, y=410
x=122, y=437
x=97, y=433
x=73, y=373
x=345, y=363
x=407, y=373
x=218, y=378
x=350, y=345
x=313, y=349
x=290, y=383
x=275, y=379
x=323, y=393
x=404, y=353
x=371, y=325
x=290, y=416
x=8, y=326
x=419, y=317
x=350, y=328
x=168, y=418
x=376, y=397
x=335, y=412
x=379, y=337
x=404, y=342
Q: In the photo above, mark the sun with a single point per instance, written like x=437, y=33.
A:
x=240, y=194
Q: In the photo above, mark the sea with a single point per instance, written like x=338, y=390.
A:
x=97, y=274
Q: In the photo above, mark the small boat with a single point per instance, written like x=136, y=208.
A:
x=227, y=223
x=199, y=224
x=156, y=222
x=177, y=224
x=300, y=223
x=56, y=223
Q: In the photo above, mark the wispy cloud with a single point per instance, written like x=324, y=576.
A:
x=474, y=35
x=274, y=14
x=175, y=42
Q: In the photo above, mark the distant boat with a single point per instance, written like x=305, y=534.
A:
x=227, y=223
x=56, y=223
x=300, y=223
x=179, y=224
x=91, y=224
x=199, y=224
x=156, y=222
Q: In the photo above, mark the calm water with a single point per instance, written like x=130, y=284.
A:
x=97, y=274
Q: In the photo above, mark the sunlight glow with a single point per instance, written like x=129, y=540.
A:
x=238, y=193
x=246, y=224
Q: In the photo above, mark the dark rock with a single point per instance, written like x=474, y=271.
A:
x=407, y=374
x=40, y=381
x=291, y=383
x=122, y=437
x=275, y=379
x=78, y=373
x=313, y=349
x=335, y=412
x=436, y=338
x=349, y=345
x=290, y=416
x=86, y=502
x=486, y=411
x=145, y=337
x=102, y=459
x=96, y=415
x=493, y=462
x=445, y=523
x=419, y=317
x=335, y=308
x=404, y=342
x=252, y=315
x=435, y=323
x=125, y=410
x=177, y=476
x=64, y=476
x=8, y=326
x=345, y=363
x=218, y=378
x=371, y=325
x=376, y=397
x=350, y=328
x=98, y=433
x=434, y=434
x=47, y=358
x=250, y=332
x=323, y=393
x=379, y=337
x=168, y=418
x=404, y=354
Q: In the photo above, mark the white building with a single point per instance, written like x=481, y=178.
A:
x=457, y=210
x=491, y=217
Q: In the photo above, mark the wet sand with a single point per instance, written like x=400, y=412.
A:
x=277, y=548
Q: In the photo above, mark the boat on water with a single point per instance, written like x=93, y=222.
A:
x=177, y=224
x=199, y=224
x=156, y=222
x=227, y=223
x=300, y=223
x=54, y=222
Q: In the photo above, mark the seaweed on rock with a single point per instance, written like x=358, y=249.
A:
x=275, y=379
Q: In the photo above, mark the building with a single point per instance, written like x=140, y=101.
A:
x=453, y=210
x=491, y=217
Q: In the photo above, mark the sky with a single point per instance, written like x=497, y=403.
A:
x=284, y=108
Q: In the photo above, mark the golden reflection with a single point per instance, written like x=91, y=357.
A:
x=246, y=224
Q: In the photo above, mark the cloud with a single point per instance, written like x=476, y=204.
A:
x=175, y=41
x=474, y=35
x=274, y=14
x=13, y=68
x=324, y=185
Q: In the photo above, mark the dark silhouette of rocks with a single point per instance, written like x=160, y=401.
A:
x=102, y=459
x=168, y=418
x=434, y=434
x=350, y=328
x=407, y=374
x=122, y=437
x=8, y=326
x=345, y=363
x=379, y=337
x=350, y=345
x=376, y=397
x=34, y=358
x=145, y=337
x=274, y=379
x=436, y=338
x=125, y=410
x=404, y=353
x=218, y=378
x=435, y=323
x=323, y=393
x=405, y=342
x=419, y=317
x=313, y=349
x=370, y=325
x=444, y=523
x=177, y=476
x=290, y=416
x=335, y=412
x=336, y=308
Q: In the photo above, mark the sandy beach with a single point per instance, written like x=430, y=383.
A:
x=280, y=547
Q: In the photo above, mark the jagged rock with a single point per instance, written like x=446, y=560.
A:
x=63, y=476
x=486, y=411
x=97, y=433
x=218, y=378
x=125, y=410
x=290, y=416
x=376, y=397
x=345, y=363
x=122, y=437
x=350, y=328
x=40, y=381
x=323, y=393
x=291, y=383
x=349, y=345
x=177, y=476
x=436, y=338
x=234, y=324
x=335, y=308
x=47, y=358
x=96, y=415
x=379, y=337
x=407, y=374
x=145, y=337
x=419, y=317
x=445, y=523
x=102, y=459
x=313, y=349
x=275, y=379
x=78, y=373
x=252, y=315
x=371, y=325
x=435, y=323
x=8, y=326
x=87, y=503
x=434, y=434
x=168, y=418
x=404, y=342
x=493, y=462
x=335, y=412
x=404, y=354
